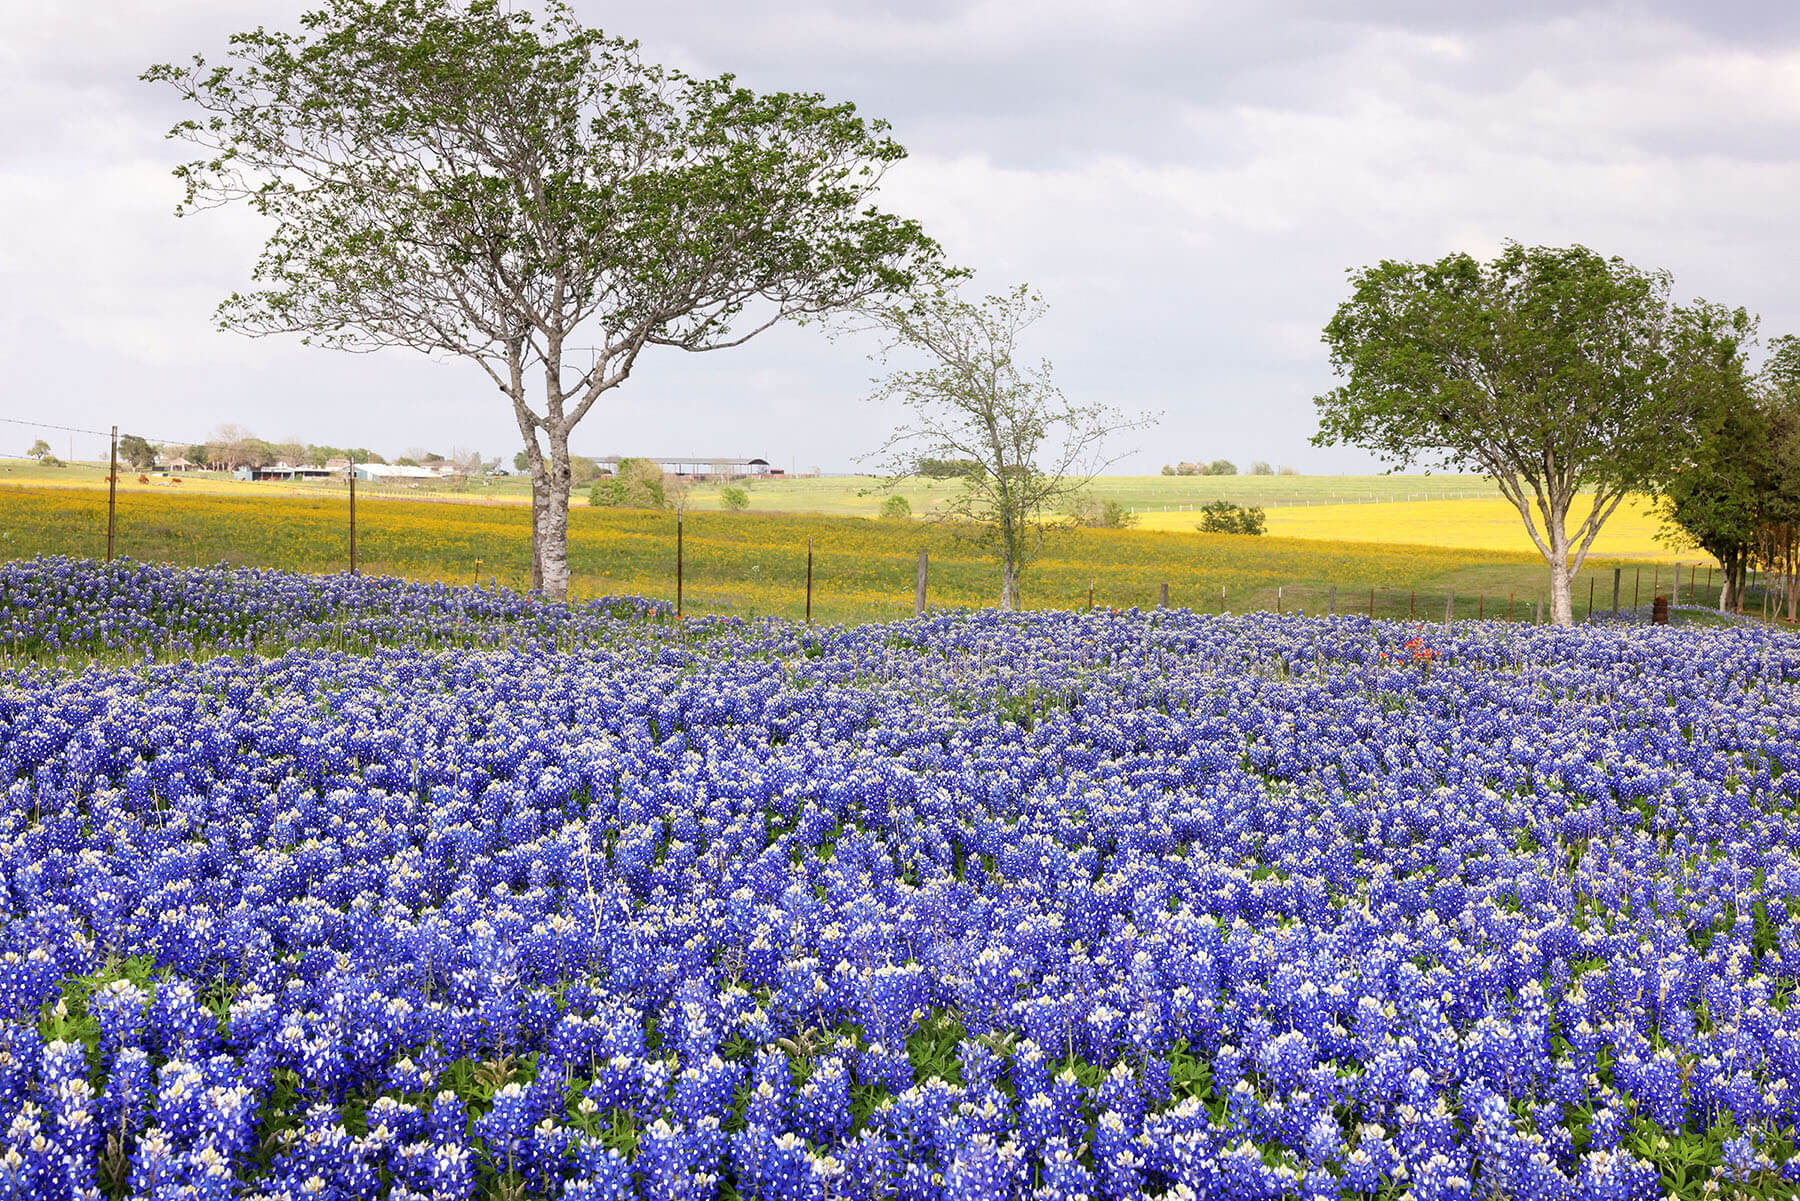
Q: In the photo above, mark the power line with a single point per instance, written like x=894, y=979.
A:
x=75, y=429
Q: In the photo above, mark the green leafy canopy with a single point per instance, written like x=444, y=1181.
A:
x=1553, y=370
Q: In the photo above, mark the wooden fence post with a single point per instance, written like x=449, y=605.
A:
x=1164, y=602
x=919, y=587
x=1450, y=607
x=1371, y=604
x=809, y=543
x=1590, y=596
x=1278, y=608
x=1221, y=598
x=1481, y=608
x=678, y=562
x=1331, y=602
x=1636, y=582
x=1617, y=572
x=1675, y=588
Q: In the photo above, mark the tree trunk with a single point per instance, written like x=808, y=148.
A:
x=1009, y=584
x=540, y=506
x=553, y=552
x=1728, y=586
x=1562, y=607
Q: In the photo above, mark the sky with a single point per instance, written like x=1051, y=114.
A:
x=1186, y=183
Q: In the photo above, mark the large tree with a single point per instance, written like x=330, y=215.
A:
x=137, y=451
x=1557, y=372
x=1023, y=450
x=1777, y=549
x=1714, y=500
x=528, y=194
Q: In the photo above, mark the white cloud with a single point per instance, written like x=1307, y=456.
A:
x=1186, y=182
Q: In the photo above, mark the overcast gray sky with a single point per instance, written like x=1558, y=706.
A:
x=1187, y=184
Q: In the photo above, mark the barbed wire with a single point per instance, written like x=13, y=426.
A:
x=76, y=429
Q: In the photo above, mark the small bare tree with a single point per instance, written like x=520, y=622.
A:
x=1025, y=450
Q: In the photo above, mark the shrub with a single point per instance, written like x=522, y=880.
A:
x=1284, y=469
x=1223, y=517
x=1220, y=467
x=1168, y=469
x=1261, y=468
x=896, y=508
x=1101, y=514
x=638, y=484
x=734, y=499
x=1187, y=469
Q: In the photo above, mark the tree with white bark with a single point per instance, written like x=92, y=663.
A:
x=528, y=194
x=1023, y=450
x=1558, y=373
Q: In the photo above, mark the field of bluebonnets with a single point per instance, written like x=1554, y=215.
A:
x=324, y=887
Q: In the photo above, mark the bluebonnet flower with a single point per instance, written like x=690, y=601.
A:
x=1406, y=925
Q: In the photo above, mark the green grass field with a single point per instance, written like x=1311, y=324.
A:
x=755, y=563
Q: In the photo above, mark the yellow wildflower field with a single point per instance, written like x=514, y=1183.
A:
x=755, y=563
x=1488, y=523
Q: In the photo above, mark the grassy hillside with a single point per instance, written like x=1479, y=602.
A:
x=756, y=563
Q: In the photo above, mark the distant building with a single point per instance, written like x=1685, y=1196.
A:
x=175, y=466
x=377, y=473
x=699, y=467
x=283, y=471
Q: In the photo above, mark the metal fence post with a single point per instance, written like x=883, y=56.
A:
x=353, y=521
x=809, y=548
x=112, y=492
x=919, y=588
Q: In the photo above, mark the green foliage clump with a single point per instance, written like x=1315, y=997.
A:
x=137, y=451
x=896, y=508
x=1223, y=517
x=638, y=484
x=947, y=469
x=1102, y=514
x=734, y=499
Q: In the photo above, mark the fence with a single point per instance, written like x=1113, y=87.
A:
x=837, y=569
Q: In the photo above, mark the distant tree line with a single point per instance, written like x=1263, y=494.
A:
x=1225, y=467
x=232, y=447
